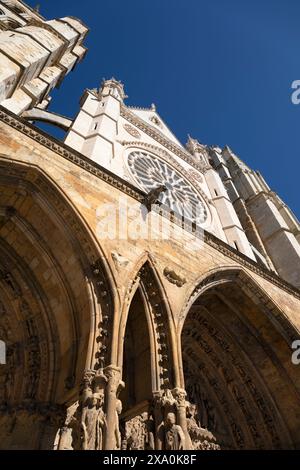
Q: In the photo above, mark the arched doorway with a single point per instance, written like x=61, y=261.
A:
x=237, y=366
x=147, y=362
x=137, y=358
x=54, y=298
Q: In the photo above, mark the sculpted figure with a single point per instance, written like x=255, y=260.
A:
x=93, y=419
x=93, y=423
x=149, y=435
x=174, y=435
x=201, y=438
x=117, y=427
x=139, y=434
x=69, y=436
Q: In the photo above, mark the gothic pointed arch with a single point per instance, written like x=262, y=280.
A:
x=146, y=357
x=56, y=305
x=160, y=323
x=236, y=353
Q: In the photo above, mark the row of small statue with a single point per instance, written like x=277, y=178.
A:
x=88, y=426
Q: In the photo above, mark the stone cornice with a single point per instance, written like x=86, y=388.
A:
x=86, y=164
x=159, y=137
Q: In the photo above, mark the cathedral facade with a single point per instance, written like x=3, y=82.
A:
x=149, y=291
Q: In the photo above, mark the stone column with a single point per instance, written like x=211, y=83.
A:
x=158, y=420
x=113, y=387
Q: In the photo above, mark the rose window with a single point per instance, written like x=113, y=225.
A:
x=179, y=195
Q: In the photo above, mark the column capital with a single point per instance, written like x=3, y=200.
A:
x=179, y=395
x=113, y=374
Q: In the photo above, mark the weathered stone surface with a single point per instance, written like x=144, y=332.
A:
x=130, y=340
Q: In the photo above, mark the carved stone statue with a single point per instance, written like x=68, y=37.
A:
x=150, y=431
x=174, y=435
x=93, y=423
x=201, y=438
x=117, y=426
x=93, y=420
x=69, y=436
x=205, y=412
x=139, y=433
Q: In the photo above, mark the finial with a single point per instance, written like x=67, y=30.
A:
x=193, y=145
x=153, y=107
x=112, y=87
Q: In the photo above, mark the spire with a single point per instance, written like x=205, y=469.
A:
x=114, y=88
x=194, y=146
x=198, y=150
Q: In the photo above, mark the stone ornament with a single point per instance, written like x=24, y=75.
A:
x=179, y=195
x=119, y=260
x=139, y=433
x=195, y=175
x=174, y=278
x=201, y=438
x=155, y=121
x=132, y=131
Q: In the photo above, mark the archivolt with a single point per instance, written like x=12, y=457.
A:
x=236, y=352
x=65, y=288
x=238, y=276
x=160, y=323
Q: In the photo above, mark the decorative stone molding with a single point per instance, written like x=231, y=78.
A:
x=139, y=433
x=32, y=354
x=195, y=175
x=174, y=278
x=104, y=343
x=112, y=87
x=132, y=131
x=251, y=398
x=113, y=375
x=163, y=402
x=146, y=278
x=238, y=276
x=155, y=121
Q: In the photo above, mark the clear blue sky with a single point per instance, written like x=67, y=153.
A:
x=220, y=70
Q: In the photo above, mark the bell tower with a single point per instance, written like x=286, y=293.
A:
x=95, y=128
